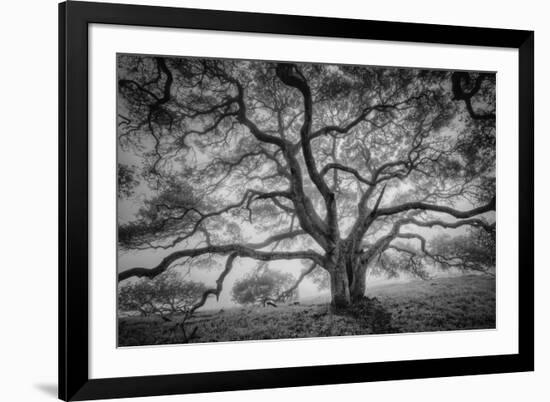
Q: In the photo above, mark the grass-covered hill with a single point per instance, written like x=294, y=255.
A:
x=442, y=304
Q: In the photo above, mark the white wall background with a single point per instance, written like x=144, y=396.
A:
x=28, y=201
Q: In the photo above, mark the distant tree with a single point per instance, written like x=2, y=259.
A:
x=167, y=294
x=138, y=297
x=336, y=165
x=174, y=295
x=261, y=287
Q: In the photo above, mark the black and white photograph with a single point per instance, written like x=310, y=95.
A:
x=274, y=200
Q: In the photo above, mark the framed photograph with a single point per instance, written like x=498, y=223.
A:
x=258, y=201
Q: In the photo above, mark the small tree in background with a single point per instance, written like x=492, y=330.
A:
x=167, y=294
x=175, y=295
x=137, y=297
x=261, y=287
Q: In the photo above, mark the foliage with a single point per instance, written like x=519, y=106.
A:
x=474, y=250
x=126, y=180
x=392, y=264
x=321, y=278
x=137, y=296
x=167, y=294
x=169, y=211
x=261, y=287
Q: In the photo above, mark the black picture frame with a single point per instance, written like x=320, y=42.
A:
x=74, y=381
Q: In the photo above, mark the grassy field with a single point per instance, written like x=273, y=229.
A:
x=443, y=304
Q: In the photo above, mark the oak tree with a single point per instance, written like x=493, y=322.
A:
x=334, y=166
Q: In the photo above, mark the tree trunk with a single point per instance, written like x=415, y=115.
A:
x=339, y=287
x=359, y=286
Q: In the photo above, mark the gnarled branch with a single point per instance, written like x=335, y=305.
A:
x=291, y=289
x=219, y=284
x=241, y=250
x=409, y=206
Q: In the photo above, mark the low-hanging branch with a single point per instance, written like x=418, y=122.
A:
x=384, y=242
x=284, y=295
x=240, y=250
x=456, y=261
x=219, y=285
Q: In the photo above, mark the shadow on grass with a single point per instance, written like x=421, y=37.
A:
x=371, y=315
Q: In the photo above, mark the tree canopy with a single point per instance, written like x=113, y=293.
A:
x=335, y=166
